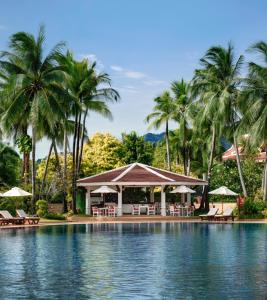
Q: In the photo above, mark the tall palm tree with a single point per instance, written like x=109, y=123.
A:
x=253, y=103
x=183, y=103
x=88, y=91
x=217, y=86
x=33, y=85
x=163, y=112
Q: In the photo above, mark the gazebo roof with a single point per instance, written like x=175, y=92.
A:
x=138, y=174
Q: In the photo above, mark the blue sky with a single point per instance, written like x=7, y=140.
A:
x=142, y=44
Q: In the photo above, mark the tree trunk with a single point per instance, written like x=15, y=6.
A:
x=168, y=146
x=82, y=139
x=74, y=166
x=33, y=167
x=188, y=163
x=239, y=167
x=57, y=158
x=78, y=144
x=26, y=167
x=205, y=197
x=265, y=178
x=46, y=169
x=184, y=151
x=65, y=207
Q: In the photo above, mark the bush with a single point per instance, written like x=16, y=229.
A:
x=42, y=208
x=57, y=197
x=11, y=204
x=253, y=208
x=53, y=216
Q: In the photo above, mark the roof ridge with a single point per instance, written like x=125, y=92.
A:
x=146, y=167
x=130, y=167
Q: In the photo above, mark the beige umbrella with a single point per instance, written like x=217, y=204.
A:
x=104, y=189
x=16, y=192
x=182, y=189
x=224, y=191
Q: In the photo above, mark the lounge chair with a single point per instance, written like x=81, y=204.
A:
x=227, y=214
x=210, y=215
x=7, y=218
x=31, y=219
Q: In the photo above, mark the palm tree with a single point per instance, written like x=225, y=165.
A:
x=33, y=85
x=253, y=103
x=162, y=113
x=183, y=103
x=88, y=91
x=217, y=86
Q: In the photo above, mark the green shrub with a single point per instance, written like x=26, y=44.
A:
x=253, y=207
x=57, y=197
x=53, y=216
x=42, y=208
x=264, y=213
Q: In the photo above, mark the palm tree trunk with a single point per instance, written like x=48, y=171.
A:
x=46, y=168
x=57, y=157
x=78, y=143
x=65, y=207
x=74, y=166
x=168, y=146
x=205, y=197
x=82, y=139
x=239, y=167
x=265, y=178
x=184, y=151
x=33, y=167
x=188, y=162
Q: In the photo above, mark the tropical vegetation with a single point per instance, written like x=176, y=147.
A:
x=50, y=94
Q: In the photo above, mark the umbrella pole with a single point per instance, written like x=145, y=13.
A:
x=222, y=206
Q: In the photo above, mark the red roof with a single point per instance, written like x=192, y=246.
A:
x=139, y=174
x=230, y=154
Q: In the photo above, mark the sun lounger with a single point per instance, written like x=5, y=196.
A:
x=227, y=214
x=30, y=219
x=7, y=218
x=210, y=215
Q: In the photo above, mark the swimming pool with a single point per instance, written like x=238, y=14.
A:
x=134, y=261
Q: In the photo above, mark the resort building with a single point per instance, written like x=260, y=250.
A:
x=133, y=176
x=230, y=154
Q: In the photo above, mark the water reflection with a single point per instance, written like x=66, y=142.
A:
x=134, y=261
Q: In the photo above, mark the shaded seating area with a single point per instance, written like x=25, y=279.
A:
x=136, y=176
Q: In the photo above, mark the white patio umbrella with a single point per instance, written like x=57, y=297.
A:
x=182, y=189
x=104, y=189
x=16, y=192
x=224, y=191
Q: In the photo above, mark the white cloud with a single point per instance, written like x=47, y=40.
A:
x=93, y=58
x=116, y=68
x=128, y=73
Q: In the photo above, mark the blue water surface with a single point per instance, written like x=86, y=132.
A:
x=134, y=261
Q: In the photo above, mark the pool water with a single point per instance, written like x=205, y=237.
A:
x=134, y=261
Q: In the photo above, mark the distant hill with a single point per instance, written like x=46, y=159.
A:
x=153, y=137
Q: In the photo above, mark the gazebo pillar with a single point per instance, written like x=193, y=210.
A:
x=188, y=200
x=119, y=213
x=163, y=201
x=152, y=196
x=88, y=201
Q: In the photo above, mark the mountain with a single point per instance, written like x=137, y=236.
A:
x=153, y=137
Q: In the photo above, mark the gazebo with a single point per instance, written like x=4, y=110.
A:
x=136, y=175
